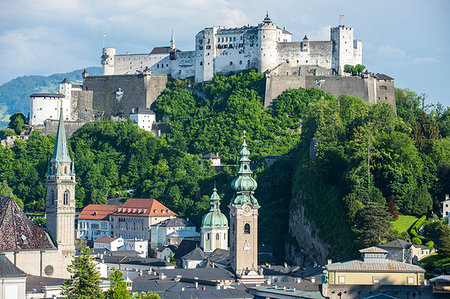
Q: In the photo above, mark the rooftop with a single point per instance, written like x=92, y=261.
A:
x=175, y=222
x=42, y=95
x=8, y=269
x=396, y=244
x=17, y=232
x=205, y=274
x=97, y=212
x=373, y=249
x=105, y=240
x=195, y=255
x=144, y=207
x=38, y=282
x=378, y=266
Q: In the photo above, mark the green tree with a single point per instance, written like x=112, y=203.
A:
x=84, y=281
x=348, y=68
x=372, y=225
x=172, y=259
x=148, y=295
x=17, y=122
x=118, y=287
x=417, y=202
x=444, y=242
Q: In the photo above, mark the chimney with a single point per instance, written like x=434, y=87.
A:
x=162, y=276
x=182, y=289
x=218, y=287
x=447, y=196
x=299, y=280
x=196, y=285
x=313, y=280
x=203, y=288
x=329, y=262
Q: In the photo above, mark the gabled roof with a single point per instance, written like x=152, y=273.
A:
x=442, y=278
x=8, y=269
x=17, y=232
x=383, y=77
x=143, y=207
x=160, y=50
x=373, y=249
x=65, y=81
x=185, y=247
x=41, y=95
x=396, y=244
x=379, y=266
x=97, y=212
x=174, y=222
x=210, y=156
x=220, y=256
x=106, y=240
x=195, y=255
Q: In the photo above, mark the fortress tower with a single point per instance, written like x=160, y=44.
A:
x=108, y=61
x=267, y=38
x=214, y=229
x=346, y=50
x=244, y=221
x=60, y=204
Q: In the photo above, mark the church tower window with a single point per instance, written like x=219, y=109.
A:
x=217, y=236
x=66, y=198
x=246, y=228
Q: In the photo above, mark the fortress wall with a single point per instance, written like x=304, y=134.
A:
x=321, y=53
x=138, y=90
x=81, y=105
x=51, y=127
x=184, y=66
x=385, y=92
x=128, y=64
x=275, y=85
x=352, y=86
x=230, y=60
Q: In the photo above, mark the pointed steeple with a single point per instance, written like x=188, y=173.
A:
x=172, y=41
x=244, y=184
x=61, y=152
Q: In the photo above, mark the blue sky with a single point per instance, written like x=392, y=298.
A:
x=405, y=39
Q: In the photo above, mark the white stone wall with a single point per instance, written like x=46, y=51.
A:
x=446, y=208
x=12, y=288
x=211, y=239
x=93, y=229
x=130, y=64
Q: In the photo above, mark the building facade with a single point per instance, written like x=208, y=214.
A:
x=93, y=221
x=220, y=50
x=162, y=230
x=214, y=228
x=143, y=117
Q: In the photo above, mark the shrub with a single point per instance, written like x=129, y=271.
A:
x=416, y=241
x=430, y=244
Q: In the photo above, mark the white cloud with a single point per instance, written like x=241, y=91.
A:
x=425, y=60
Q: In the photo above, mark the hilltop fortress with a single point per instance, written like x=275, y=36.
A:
x=220, y=50
x=136, y=80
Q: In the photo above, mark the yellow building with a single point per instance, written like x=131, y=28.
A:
x=374, y=269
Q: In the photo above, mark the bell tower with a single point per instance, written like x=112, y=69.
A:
x=244, y=221
x=60, y=203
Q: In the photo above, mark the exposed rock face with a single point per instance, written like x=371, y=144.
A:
x=309, y=248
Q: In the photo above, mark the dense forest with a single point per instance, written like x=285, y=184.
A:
x=368, y=156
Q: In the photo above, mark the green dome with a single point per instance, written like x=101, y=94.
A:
x=215, y=218
x=244, y=183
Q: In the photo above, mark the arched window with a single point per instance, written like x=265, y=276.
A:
x=207, y=236
x=217, y=236
x=65, y=170
x=66, y=198
x=246, y=228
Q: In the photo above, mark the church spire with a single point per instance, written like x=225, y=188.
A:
x=244, y=184
x=61, y=152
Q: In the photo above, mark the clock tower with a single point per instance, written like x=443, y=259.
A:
x=244, y=220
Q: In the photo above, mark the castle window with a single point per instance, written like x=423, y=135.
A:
x=240, y=61
x=217, y=237
x=248, y=61
x=66, y=198
x=201, y=62
x=246, y=228
x=231, y=62
x=53, y=199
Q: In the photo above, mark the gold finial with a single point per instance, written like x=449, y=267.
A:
x=244, y=135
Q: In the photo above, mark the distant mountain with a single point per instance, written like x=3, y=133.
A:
x=15, y=94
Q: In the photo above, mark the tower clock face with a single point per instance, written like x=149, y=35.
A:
x=247, y=210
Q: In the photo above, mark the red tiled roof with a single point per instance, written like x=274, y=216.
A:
x=105, y=240
x=17, y=232
x=144, y=207
x=97, y=212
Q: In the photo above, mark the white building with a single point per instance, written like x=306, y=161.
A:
x=143, y=117
x=140, y=246
x=12, y=280
x=112, y=244
x=163, y=229
x=446, y=207
x=93, y=221
x=220, y=50
x=45, y=106
x=215, y=159
x=214, y=229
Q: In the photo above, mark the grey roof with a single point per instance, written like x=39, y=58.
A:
x=289, y=292
x=185, y=247
x=383, y=77
x=381, y=296
x=195, y=255
x=207, y=293
x=53, y=95
x=182, y=233
x=220, y=256
x=174, y=222
x=65, y=81
x=142, y=110
x=373, y=249
x=442, y=278
x=160, y=50
x=17, y=232
x=38, y=282
x=210, y=156
x=135, y=260
x=205, y=274
x=378, y=265
x=8, y=269
x=396, y=244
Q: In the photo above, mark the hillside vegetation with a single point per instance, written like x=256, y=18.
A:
x=365, y=155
